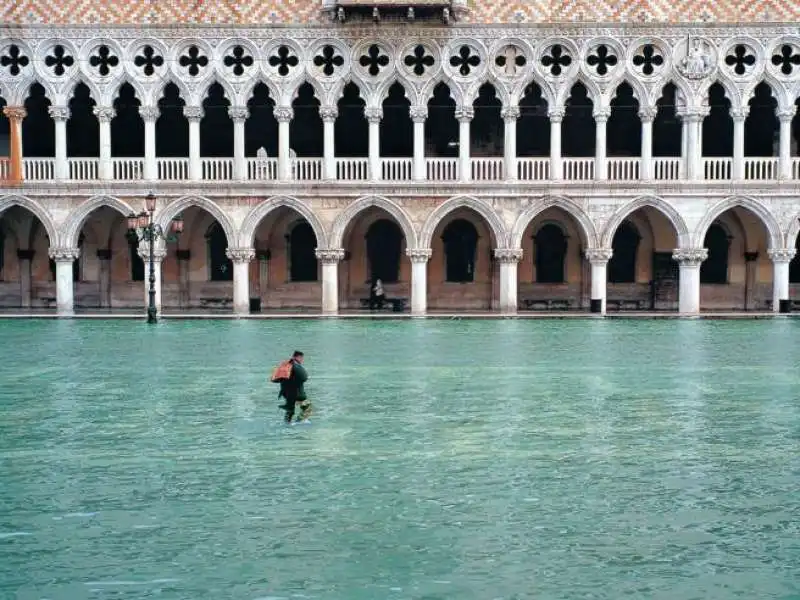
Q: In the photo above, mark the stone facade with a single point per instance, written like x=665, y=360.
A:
x=51, y=209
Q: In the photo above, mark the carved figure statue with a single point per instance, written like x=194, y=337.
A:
x=697, y=62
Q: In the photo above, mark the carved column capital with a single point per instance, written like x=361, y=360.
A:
x=599, y=256
x=648, y=114
x=149, y=113
x=283, y=114
x=373, y=114
x=509, y=114
x=329, y=255
x=15, y=113
x=419, y=255
x=104, y=114
x=739, y=114
x=64, y=254
x=238, y=113
x=465, y=113
x=786, y=115
x=601, y=115
x=781, y=255
x=328, y=114
x=692, y=257
x=556, y=115
x=193, y=113
x=508, y=255
x=59, y=113
x=240, y=254
x=418, y=113
x=159, y=252
x=693, y=114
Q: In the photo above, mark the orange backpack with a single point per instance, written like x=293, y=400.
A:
x=282, y=372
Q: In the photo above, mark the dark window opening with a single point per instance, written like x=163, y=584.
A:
x=622, y=266
x=302, y=255
x=550, y=250
x=460, y=247
x=384, y=243
x=715, y=268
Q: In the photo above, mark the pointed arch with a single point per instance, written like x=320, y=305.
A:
x=659, y=204
x=113, y=93
x=249, y=89
x=568, y=206
x=592, y=92
x=36, y=209
x=68, y=92
x=496, y=225
x=227, y=88
x=777, y=90
x=78, y=216
x=382, y=91
x=499, y=87
x=23, y=92
x=731, y=92
x=548, y=94
x=345, y=218
x=639, y=91
x=456, y=93
x=185, y=94
x=258, y=213
x=171, y=210
x=290, y=94
x=683, y=94
x=774, y=235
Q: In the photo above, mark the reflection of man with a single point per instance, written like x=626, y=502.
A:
x=293, y=390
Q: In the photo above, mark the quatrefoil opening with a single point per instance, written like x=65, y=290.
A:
x=59, y=60
x=786, y=59
x=14, y=60
x=510, y=61
x=602, y=60
x=648, y=60
x=556, y=60
x=193, y=61
x=328, y=60
x=284, y=61
x=374, y=61
x=238, y=60
x=419, y=60
x=147, y=60
x=103, y=60
x=741, y=60
x=465, y=60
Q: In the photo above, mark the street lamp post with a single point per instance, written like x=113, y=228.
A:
x=142, y=228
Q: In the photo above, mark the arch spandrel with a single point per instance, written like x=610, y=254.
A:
x=346, y=217
x=482, y=208
x=254, y=218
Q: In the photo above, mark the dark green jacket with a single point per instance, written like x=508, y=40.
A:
x=294, y=388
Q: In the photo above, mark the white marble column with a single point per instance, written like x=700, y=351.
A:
x=601, y=117
x=329, y=258
x=104, y=115
x=418, y=116
x=194, y=114
x=781, y=257
x=329, y=114
x=238, y=115
x=419, y=258
x=556, y=117
x=785, y=142
x=64, y=257
x=60, y=116
x=159, y=253
x=284, y=116
x=647, y=116
x=25, y=258
x=695, y=145
x=598, y=258
x=508, y=258
x=737, y=164
x=689, y=261
x=241, y=258
x=374, y=114
x=150, y=115
x=683, y=167
x=464, y=115
x=510, y=114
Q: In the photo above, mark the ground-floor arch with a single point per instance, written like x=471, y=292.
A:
x=26, y=280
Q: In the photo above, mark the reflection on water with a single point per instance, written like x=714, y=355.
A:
x=447, y=459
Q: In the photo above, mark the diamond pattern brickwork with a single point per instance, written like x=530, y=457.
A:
x=263, y=12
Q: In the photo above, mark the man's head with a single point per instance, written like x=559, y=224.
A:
x=298, y=356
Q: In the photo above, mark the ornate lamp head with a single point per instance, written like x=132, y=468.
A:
x=143, y=219
x=177, y=224
x=133, y=222
x=150, y=202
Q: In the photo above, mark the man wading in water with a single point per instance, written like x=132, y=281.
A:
x=291, y=375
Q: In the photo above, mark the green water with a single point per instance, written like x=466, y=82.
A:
x=447, y=460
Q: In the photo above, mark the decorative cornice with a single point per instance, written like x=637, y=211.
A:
x=193, y=113
x=240, y=254
x=15, y=113
x=64, y=254
x=104, y=114
x=781, y=255
x=508, y=255
x=419, y=255
x=59, y=113
x=238, y=113
x=692, y=257
x=283, y=114
x=329, y=255
x=599, y=256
